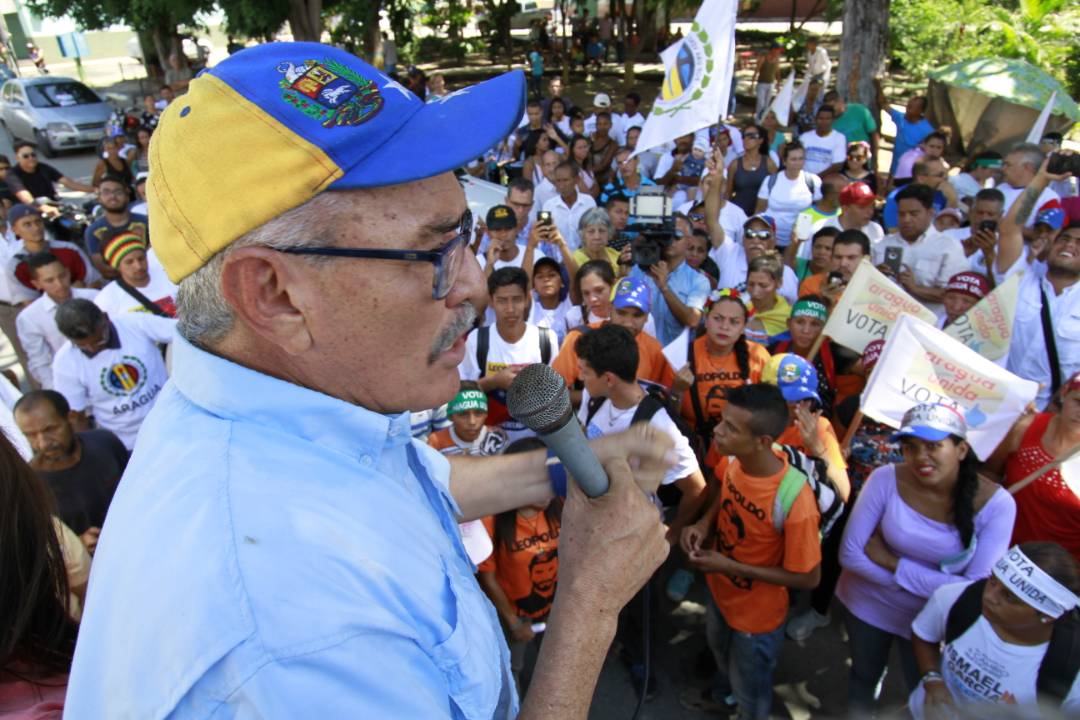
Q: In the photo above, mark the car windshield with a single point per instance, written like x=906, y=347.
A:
x=61, y=94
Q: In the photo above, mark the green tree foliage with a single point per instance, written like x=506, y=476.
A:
x=928, y=34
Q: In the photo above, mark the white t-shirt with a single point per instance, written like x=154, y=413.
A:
x=821, y=152
x=502, y=354
x=874, y=232
x=118, y=385
x=609, y=420
x=554, y=319
x=979, y=667
x=515, y=261
x=787, y=199
x=114, y=300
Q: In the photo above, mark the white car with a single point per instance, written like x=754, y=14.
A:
x=55, y=113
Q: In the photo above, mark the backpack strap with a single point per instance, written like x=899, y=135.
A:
x=592, y=408
x=483, y=342
x=788, y=490
x=148, y=304
x=771, y=182
x=647, y=408
x=965, y=611
x=545, y=346
x=1060, y=665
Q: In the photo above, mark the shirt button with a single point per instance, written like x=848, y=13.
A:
x=366, y=461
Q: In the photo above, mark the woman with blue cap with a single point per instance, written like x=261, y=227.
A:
x=917, y=525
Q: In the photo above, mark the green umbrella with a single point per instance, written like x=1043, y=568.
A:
x=992, y=103
x=1017, y=81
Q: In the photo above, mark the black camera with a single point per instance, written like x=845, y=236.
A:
x=652, y=224
x=1061, y=164
x=989, y=226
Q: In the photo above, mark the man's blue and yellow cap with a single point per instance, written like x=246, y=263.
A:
x=274, y=125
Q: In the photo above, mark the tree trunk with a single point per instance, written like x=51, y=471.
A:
x=305, y=19
x=863, y=51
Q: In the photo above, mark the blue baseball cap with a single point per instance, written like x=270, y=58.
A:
x=1052, y=216
x=20, y=210
x=277, y=124
x=797, y=379
x=632, y=292
x=932, y=422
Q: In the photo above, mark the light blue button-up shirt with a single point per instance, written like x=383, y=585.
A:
x=275, y=552
x=690, y=286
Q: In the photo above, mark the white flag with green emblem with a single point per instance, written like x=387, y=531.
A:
x=697, y=77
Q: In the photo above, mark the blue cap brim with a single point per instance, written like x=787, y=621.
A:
x=468, y=124
x=923, y=433
x=794, y=393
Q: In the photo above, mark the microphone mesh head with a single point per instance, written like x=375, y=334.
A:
x=538, y=397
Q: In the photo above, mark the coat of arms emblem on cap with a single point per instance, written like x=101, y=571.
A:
x=329, y=92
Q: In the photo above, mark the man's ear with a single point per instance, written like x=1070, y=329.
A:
x=267, y=291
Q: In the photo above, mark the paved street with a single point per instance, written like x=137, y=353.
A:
x=810, y=681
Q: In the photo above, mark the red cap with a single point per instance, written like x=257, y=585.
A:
x=969, y=283
x=857, y=193
x=871, y=353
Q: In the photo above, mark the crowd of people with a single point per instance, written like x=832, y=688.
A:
x=780, y=496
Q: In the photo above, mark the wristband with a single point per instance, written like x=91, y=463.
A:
x=931, y=676
x=556, y=474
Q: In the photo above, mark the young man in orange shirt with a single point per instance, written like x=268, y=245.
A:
x=753, y=564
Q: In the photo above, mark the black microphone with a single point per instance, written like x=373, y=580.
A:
x=538, y=399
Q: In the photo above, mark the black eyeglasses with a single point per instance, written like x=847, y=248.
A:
x=28, y=155
x=447, y=259
x=758, y=234
x=696, y=217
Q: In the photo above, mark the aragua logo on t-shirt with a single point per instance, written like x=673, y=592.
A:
x=124, y=378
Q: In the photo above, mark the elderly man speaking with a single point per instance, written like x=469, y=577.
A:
x=279, y=546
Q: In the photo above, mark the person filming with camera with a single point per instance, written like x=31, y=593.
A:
x=678, y=291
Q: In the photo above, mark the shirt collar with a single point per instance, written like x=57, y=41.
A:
x=238, y=393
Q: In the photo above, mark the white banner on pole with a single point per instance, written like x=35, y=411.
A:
x=781, y=104
x=1037, y=130
x=697, y=77
x=921, y=364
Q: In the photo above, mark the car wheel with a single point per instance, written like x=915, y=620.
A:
x=44, y=145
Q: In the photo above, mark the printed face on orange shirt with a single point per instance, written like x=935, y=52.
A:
x=543, y=576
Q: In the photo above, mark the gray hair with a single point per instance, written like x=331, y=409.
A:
x=596, y=216
x=78, y=318
x=203, y=314
x=1031, y=153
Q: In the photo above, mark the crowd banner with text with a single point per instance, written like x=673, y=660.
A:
x=987, y=327
x=868, y=308
x=921, y=364
x=697, y=77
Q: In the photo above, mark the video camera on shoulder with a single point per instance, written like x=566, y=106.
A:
x=653, y=225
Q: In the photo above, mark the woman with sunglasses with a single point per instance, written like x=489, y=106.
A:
x=745, y=174
x=926, y=522
x=855, y=166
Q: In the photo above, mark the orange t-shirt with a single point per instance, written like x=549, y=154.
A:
x=653, y=367
x=713, y=374
x=833, y=454
x=745, y=533
x=812, y=284
x=527, y=572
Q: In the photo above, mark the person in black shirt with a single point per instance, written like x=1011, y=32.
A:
x=82, y=469
x=30, y=179
x=6, y=197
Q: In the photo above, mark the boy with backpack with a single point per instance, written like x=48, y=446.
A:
x=766, y=522
x=495, y=354
x=611, y=402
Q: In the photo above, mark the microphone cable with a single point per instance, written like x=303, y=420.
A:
x=646, y=646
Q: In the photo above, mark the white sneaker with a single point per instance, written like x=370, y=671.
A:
x=803, y=626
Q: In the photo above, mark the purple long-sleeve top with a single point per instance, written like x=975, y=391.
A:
x=891, y=600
